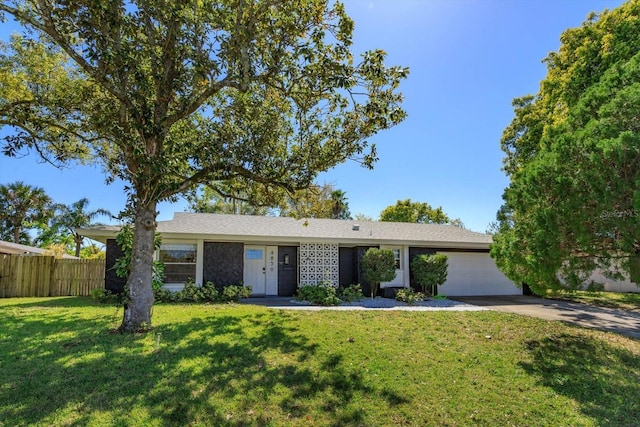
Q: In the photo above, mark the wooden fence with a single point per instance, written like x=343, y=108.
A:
x=45, y=276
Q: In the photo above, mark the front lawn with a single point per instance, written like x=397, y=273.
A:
x=238, y=365
x=625, y=301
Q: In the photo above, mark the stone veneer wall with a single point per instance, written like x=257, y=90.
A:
x=223, y=263
x=318, y=263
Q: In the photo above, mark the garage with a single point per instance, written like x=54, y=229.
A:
x=475, y=274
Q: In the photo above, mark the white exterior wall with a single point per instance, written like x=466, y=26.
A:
x=611, y=285
x=474, y=274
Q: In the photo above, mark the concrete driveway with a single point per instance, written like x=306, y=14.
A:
x=606, y=319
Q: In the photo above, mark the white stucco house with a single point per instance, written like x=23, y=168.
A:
x=277, y=254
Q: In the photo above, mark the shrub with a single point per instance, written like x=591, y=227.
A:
x=324, y=293
x=190, y=293
x=409, y=296
x=234, y=293
x=164, y=295
x=351, y=293
x=209, y=293
x=429, y=271
x=97, y=294
x=378, y=265
x=103, y=296
x=206, y=293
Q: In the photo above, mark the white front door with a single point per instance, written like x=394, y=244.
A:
x=255, y=269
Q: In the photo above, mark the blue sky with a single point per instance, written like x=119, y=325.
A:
x=468, y=60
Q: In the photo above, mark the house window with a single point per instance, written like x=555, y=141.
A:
x=396, y=254
x=179, y=261
x=253, y=254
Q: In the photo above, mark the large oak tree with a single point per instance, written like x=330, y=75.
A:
x=572, y=154
x=173, y=94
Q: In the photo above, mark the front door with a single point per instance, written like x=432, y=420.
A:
x=261, y=269
x=255, y=269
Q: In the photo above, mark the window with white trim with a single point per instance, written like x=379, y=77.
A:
x=398, y=259
x=179, y=261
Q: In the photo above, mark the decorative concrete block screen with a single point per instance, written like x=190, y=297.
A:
x=319, y=263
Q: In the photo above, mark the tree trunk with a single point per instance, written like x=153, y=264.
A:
x=137, y=310
x=78, y=239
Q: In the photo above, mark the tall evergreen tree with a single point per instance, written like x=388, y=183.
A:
x=571, y=152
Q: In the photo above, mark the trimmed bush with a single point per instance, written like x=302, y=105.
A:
x=378, y=265
x=430, y=271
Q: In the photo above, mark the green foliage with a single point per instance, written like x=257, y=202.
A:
x=228, y=197
x=409, y=296
x=378, y=265
x=323, y=293
x=421, y=213
x=92, y=252
x=243, y=198
x=430, y=271
x=571, y=155
x=362, y=217
x=103, y=296
x=39, y=95
x=618, y=300
x=194, y=293
x=22, y=207
x=25, y=208
x=68, y=219
x=207, y=293
x=351, y=293
x=97, y=294
x=316, y=201
x=233, y=293
x=124, y=239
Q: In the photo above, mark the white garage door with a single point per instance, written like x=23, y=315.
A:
x=471, y=274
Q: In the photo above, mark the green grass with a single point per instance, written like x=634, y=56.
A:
x=244, y=365
x=624, y=301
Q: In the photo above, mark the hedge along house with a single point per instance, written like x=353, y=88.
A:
x=275, y=255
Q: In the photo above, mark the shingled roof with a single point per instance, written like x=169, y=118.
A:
x=266, y=229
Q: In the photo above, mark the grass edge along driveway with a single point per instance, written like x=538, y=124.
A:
x=246, y=365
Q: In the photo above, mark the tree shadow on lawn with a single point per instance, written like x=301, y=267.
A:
x=603, y=379
x=60, y=368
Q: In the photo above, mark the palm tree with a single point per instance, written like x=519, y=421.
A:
x=340, y=206
x=75, y=216
x=22, y=206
